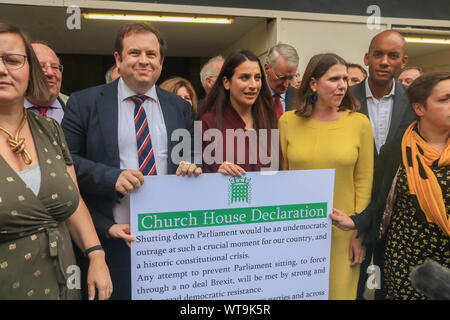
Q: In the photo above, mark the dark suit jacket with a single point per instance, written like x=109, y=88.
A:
x=368, y=221
x=90, y=126
x=289, y=100
x=63, y=105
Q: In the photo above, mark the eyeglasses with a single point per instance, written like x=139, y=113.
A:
x=14, y=61
x=55, y=67
x=283, y=78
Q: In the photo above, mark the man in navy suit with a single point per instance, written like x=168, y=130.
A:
x=99, y=125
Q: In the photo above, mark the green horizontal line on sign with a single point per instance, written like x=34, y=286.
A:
x=231, y=216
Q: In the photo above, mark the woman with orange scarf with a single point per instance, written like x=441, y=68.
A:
x=413, y=204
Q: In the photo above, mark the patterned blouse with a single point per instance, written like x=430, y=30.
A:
x=36, y=253
x=411, y=238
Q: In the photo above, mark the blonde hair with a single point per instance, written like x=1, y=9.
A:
x=175, y=83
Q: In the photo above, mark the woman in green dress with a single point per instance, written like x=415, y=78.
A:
x=40, y=206
x=412, y=208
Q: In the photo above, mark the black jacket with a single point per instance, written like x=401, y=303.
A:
x=368, y=221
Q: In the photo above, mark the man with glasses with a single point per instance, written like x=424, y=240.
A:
x=54, y=107
x=281, y=67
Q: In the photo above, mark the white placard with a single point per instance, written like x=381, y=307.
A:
x=217, y=237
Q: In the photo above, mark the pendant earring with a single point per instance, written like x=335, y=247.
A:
x=313, y=96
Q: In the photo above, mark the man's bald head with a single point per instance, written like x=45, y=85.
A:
x=52, y=71
x=389, y=34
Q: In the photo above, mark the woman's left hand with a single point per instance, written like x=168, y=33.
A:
x=357, y=252
x=228, y=168
x=187, y=168
x=98, y=276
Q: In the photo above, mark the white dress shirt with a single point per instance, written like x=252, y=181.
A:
x=380, y=114
x=127, y=139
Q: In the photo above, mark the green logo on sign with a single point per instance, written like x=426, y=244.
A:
x=239, y=190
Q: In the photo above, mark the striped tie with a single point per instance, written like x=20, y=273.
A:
x=147, y=164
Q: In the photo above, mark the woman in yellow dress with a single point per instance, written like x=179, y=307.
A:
x=323, y=132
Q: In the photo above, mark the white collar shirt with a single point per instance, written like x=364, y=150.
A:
x=380, y=114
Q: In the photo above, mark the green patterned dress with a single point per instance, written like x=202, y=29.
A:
x=36, y=253
x=411, y=238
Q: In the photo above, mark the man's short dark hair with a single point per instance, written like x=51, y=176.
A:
x=411, y=68
x=139, y=27
x=355, y=65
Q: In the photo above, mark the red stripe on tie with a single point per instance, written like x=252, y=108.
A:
x=153, y=170
x=141, y=129
x=146, y=161
x=144, y=144
x=137, y=99
x=138, y=115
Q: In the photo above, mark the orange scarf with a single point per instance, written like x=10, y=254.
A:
x=418, y=156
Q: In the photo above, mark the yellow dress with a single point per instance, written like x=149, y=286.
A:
x=347, y=146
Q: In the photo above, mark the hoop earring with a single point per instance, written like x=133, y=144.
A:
x=313, y=96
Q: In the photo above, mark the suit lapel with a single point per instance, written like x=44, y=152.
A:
x=107, y=110
x=168, y=113
x=170, y=116
x=61, y=102
x=398, y=111
x=359, y=92
x=289, y=101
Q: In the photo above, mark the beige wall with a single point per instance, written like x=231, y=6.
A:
x=258, y=40
x=438, y=61
x=348, y=40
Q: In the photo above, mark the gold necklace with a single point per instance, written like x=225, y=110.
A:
x=18, y=145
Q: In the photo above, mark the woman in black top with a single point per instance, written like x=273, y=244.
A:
x=413, y=203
